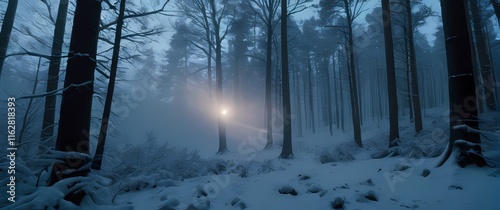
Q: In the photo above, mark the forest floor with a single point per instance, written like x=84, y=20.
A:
x=327, y=171
x=360, y=178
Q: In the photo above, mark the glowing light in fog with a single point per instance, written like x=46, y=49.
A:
x=224, y=112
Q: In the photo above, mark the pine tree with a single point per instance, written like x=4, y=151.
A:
x=76, y=104
x=391, y=75
x=462, y=87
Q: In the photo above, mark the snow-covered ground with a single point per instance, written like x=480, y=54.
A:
x=326, y=171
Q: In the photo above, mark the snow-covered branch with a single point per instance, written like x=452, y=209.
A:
x=55, y=91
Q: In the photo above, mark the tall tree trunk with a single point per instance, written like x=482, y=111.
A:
x=328, y=96
x=337, y=114
x=305, y=100
x=53, y=76
x=379, y=94
x=311, y=96
x=341, y=99
x=391, y=75
x=269, y=114
x=97, y=161
x=218, y=78
x=408, y=77
x=484, y=59
x=209, y=68
x=461, y=83
x=417, y=110
x=76, y=104
x=298, y=101
x=352, y=82
x=8, y=23
x=286, y=151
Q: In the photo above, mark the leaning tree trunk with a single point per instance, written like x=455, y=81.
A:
x=101, y=141
x=462, y=93
x=76, y=104
x=391, y=75
x=286, y=151
x=8, y=23
x=53, y=76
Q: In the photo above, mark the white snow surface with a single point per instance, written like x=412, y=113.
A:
x=254, y=181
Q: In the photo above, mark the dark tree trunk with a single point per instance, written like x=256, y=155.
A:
x=8, y=23
x=298, y=101
x=76, y=104
x=337, y=114
x=328, y=96
x=218, y=78
x=209, y=69
x=269, y=113
x=354, y=93
x=311, y=101
x=461, y=83
x=483, y=57
x=391, y=75
x=305, y=100
x=286, y=152
x=408, y=77
x=496, y=7
x=97, y=161
x=417, y=110
x=352, y=79
x=341, y=101
x=53, y=77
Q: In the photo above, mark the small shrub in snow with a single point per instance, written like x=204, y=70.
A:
x=325, y=157
x=402, y=167
x=338, y=203
x=425, y=172
x=266, y=167
x=370, y=195
x=200, y=203
x=314, y=188
x=137, y=183
x=380, y=154
x=342, y=153
x=345, y=186
x=455, y=187
x=304, y=176
x=238, y=202
x=287, y=189
x=367, y=197
x=367, y=182
x=154, y=158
